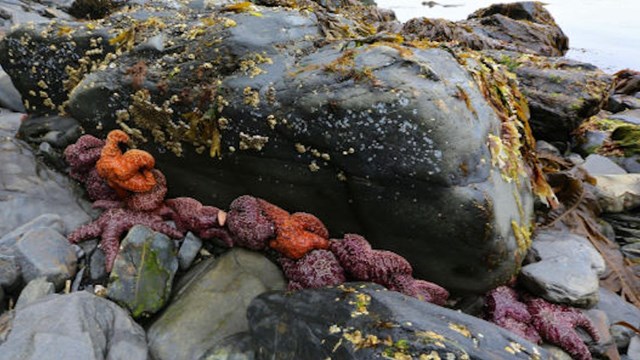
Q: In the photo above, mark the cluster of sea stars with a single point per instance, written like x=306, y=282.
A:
x=132, y=192
x=536, y=319
x=310, y=260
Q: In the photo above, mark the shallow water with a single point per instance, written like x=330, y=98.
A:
x=605, y=33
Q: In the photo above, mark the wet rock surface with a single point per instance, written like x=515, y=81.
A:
x=142, y=276
x=344, y=321
x=30, y=186
x=210, y=304
x=526, y=27
x=93, y=328
x=335, y=130
x=563, y=268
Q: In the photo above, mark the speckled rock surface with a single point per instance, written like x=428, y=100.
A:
x=383, y=139
x=365, y=321
x=210, y=304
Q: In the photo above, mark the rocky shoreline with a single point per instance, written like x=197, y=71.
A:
x=418, y=136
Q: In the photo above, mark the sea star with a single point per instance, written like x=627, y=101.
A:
x=503, y=308
x=316, y=269
x=537, y=319
x=386, y=268
x=129, y=171
x=250, y=227
x=205, y=222
x=557, y=323
x=82, y=156
x=296, y=234
x=114, y=222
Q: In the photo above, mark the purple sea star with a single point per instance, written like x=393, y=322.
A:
x=386, y=268
x=318, y=268
x=537, y=319
x=204, y=221
x=503, y=308
x=250, y=226
x=82, y=156
x=557, y=323
x=113, y=223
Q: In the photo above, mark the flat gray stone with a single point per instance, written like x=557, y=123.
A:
x=35, y=290
x=633, y=351
x=631, y=116
x=212, y=304
x=75, y=326
x=142, y=276
x=44, y=252
x=599, y=165
x=550, y=244
x=189, y=249
x=562, y=280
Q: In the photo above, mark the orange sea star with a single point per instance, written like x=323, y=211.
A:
x=130, y=171
x=296, y=234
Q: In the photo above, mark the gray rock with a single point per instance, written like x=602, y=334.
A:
x=619, y=310
x=560, y=280
x=621, y=102
x=525, y=27
x=631, y=116
x=234, y=347
x=29, y=189
x=352, y=322
x=9, y=271
x=35, y=290
x=97, y=265
x=142, y=275
x=390, y=141
x=556, y=353
x=599, y=165
x=633, y=352
x=551, y=244
x=9, y=97
x=211, y=305
x=561, y=93
x=189, y=249
x=75, y=326
x=44, y=252
x=602, y=324
x=617, y=193
x=563, y=268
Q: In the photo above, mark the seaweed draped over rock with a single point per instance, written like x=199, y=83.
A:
x=421, y=147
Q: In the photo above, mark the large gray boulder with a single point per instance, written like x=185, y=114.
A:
x=365, y=321
x=372, y=136
x=74, y=326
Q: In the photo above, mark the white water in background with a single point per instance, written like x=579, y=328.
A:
x=605, y=33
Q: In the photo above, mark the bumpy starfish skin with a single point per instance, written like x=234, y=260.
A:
x=129, y=171
x=557, y=323
x=113, y=223
x=83, y=155
x=149, y=200
x=250, y=227
x=316, y=269
x=296, y=234
x=386, y=268
x=204, y=221
x=503, y=308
